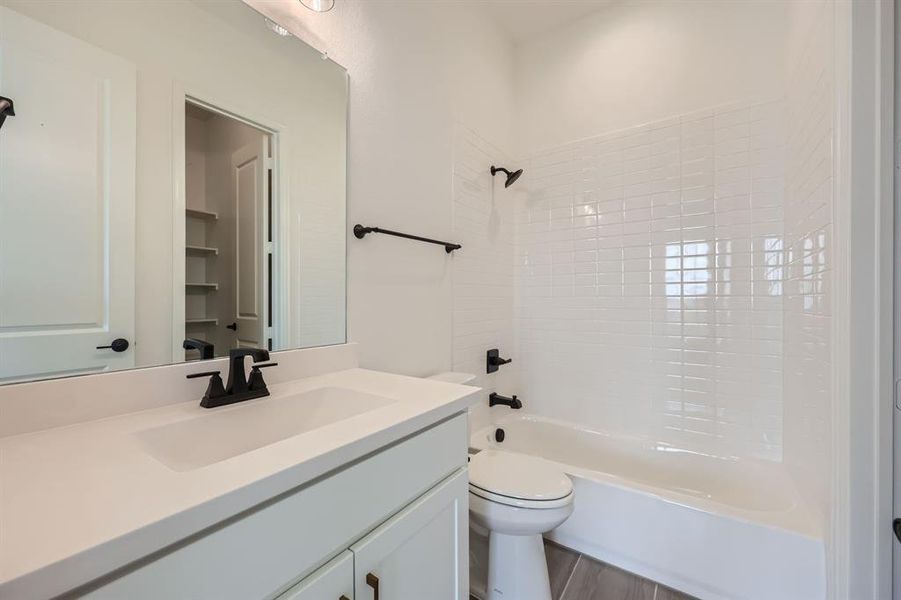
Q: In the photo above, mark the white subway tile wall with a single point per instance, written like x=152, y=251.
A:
x=649, y=276
x=808, y=268
x=483, y=268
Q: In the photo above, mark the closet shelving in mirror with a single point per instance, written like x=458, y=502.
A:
x=201, y=321
x=202, y=250
x=195, y=213
x=202, y=286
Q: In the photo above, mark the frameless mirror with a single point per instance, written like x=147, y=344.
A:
x=172, y=185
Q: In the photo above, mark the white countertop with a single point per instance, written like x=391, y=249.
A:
x=79, y=501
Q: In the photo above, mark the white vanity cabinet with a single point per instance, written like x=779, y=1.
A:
x=334, y=581
x=399, y=514
x=418, y=553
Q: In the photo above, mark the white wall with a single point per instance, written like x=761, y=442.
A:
x=415, y=69
x=637, y=62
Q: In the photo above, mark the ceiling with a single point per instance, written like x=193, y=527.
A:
x=522, y=19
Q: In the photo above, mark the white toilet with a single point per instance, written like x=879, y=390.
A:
x=517, y=498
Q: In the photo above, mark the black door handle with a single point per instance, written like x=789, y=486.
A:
x=117, y=345
x=233, y=327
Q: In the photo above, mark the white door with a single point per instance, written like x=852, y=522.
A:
x=67, y=189
x=251, y=183
x=334, y=581
x=422, y=552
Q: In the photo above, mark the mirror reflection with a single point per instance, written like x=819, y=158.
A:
x=168, y=192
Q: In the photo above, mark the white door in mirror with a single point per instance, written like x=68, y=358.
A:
x=251, y=181
x=67, y=195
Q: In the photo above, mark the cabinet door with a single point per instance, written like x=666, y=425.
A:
x=422, y=552
x=334, y=581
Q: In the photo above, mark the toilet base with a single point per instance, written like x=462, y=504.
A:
x=517, y=568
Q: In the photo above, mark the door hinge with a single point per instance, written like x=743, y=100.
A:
x=896, y=527
x=898, y=394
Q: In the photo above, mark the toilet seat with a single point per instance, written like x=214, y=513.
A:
x=518, y=480
x=519, y=502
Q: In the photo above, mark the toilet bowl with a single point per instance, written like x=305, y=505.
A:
x=517, y=498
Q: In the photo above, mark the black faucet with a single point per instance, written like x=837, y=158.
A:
x=205, y=348
x=239, y=388
x=495, y=398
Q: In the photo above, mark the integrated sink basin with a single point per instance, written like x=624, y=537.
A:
x=234, y=430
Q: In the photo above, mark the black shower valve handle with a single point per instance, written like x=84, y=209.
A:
x=493, y=360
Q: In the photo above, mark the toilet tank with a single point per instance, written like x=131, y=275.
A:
x=454, y=377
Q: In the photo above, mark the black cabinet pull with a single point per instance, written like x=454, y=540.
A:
x=343, y=597
x=117, y=345
x=373, y=582
x=233, y=327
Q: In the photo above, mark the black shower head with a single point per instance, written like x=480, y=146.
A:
x=511, y=176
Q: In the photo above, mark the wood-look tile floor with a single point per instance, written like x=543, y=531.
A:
x=577, y=577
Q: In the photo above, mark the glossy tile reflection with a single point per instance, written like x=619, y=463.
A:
x=649, y=278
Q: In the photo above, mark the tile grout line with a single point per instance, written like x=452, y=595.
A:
x=570, y=578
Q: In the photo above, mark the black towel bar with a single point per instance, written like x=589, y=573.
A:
x=360, y=232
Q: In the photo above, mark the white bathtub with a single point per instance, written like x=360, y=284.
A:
x=713, y=528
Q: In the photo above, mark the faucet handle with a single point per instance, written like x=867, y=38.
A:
x=256, y=381
x=203, y=374
x=214, y=390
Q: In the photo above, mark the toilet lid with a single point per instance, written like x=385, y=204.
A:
x=518, y=476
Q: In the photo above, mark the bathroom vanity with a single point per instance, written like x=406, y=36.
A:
x=344, y=483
